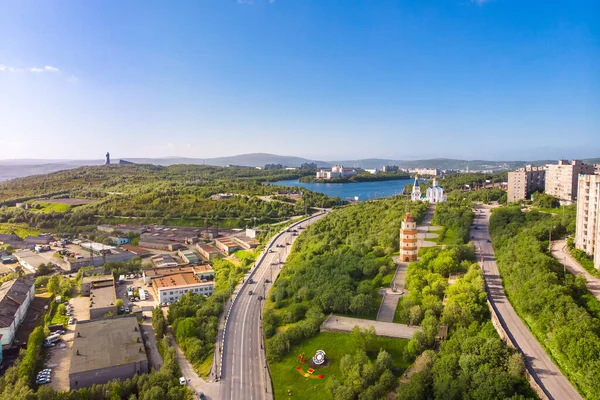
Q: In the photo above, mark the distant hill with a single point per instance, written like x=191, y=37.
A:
x=10, y=169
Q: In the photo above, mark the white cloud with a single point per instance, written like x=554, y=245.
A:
x=47, y=68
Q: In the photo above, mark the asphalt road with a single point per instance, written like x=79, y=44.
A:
x=539, y=364
x=244, y=374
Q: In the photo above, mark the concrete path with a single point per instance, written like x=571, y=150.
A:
x=425, y=230
x=545, y=373
x=211, y=390
x=336, y=323
x=561, y=253
x=391, y=295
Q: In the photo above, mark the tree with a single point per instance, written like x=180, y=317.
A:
x=361, y=304
x=44, y=269
x=119, y=303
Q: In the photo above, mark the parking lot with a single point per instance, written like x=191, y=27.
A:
x=137, y=283
x=59, y=359
x=81, y=308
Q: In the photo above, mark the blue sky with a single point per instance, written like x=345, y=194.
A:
x=496, y=79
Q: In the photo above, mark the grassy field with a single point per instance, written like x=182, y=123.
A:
x=21, y=230
x=401, y=314
x=285, y=376
x=52, y=207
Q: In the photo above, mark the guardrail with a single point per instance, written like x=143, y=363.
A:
x=260, y=259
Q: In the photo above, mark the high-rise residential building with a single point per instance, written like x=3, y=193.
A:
x=525, y=181
x=587, y=232
x=562, y=179
x=408, y=239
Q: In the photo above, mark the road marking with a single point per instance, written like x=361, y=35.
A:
x=242, y=344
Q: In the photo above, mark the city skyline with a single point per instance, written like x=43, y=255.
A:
x=494, y=80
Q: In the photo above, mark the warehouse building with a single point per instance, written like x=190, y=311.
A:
x=95, y=281
x=202, y=271
x=188, y=256
x=106, y=349
x=207, y=251
x=164, y=261
x=226, y=245
x=102, y=299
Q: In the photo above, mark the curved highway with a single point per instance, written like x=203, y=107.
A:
x=244, y=374
x=540, y=366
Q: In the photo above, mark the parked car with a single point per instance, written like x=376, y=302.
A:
x=250, y=293
x=182, y=381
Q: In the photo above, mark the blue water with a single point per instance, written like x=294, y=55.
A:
x=347, y=191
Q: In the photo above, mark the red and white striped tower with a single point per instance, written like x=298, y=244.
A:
x=408, y=239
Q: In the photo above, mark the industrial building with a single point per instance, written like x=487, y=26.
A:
x=170, y=288
x=245, y=241
x=226, y=245
x=30, y=260
x=91, y=282
x=164, y=261
x=587, y=233
x=207, y=251
x=157, y=243
x=15, y=298
x=188, y=256
x=138, y=251
x=106, y=349
x=102, y=299
x=525, y=181
x=202, y=271
x=562, y=179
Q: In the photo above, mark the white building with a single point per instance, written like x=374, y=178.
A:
x=587, y=231
x=372, y=171
x=337, y=171
x=435, y=193
x=15, y=297
x=416, y=191
x=171, y=287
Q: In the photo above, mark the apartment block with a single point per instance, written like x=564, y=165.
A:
x=587, y=233
x=525, y=181
x=562, y=179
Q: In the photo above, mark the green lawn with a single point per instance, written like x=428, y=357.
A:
x=21, y=230
x=58, y=318
x=336, y=345
x=204, y=368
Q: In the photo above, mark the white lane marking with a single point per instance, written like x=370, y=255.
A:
x=242, y=344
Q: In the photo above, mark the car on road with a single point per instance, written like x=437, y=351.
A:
x=260, y=298
x=250, y=280
x=182, y=381
x=271, y=251
x=250, y=293
x=287, y=243
x=201, y=396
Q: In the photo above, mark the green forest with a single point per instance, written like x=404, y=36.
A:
x=360, y=177
x=337, y=265
x=556, y=306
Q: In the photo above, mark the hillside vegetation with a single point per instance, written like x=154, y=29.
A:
x=557, y=307
x=174, y=195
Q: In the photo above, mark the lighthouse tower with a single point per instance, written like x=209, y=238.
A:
x=408, y=239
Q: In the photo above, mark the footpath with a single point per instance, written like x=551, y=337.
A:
x=561, y=253
x=392, y=295
x=338, y=323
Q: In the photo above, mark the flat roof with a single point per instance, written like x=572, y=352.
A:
x=30, y=258
x=203, y=268
x=226, y=241
x=101, y=297
x=106, y=343
x=95, y=246
x=97, y=278
x=209, y=248
x=150, y=272
x=183, y=279
x=135, y=250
